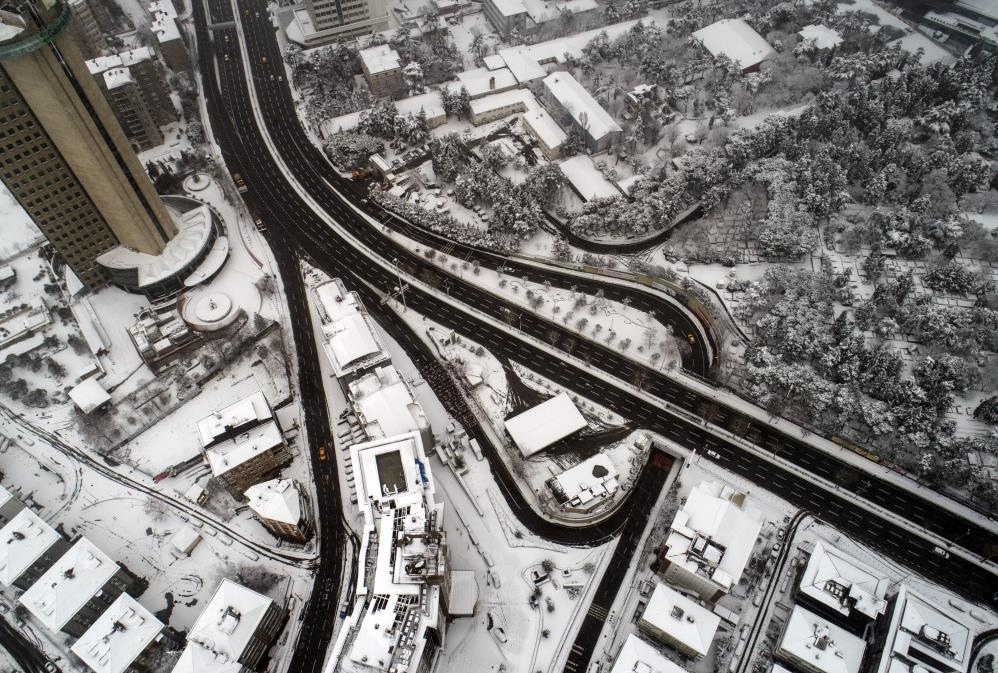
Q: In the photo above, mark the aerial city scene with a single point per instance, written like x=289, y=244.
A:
x=482, y=336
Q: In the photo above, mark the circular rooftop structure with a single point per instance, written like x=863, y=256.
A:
x=19, y=35
x=210, y=312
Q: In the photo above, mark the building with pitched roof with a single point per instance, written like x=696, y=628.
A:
x=237, y=626
x=544, y=424
x=28, y=547
x=382, y=70
x=350, y=340
x=737, y=40
x=710, y=541
x=125, y=638
x=506, y=15
x=10, y=506
x=812, y=644
x=922, y=634
x=572, y=104
x=77, y=589
x=675, y=620
x=842, y=588
x=385, y=406
x=281, y=507
x=638, y=656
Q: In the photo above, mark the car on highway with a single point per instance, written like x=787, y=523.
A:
x=713, y=454
x=322, y=453
x=939, y=551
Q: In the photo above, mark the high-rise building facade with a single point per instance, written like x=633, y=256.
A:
x=63, y=154
x=126, y=100
x=87, y=29
x=342, y=19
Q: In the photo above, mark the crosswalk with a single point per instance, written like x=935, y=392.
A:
x=570, y=665
x=598, y=612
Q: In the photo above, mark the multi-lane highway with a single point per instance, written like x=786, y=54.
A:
x=294, y=229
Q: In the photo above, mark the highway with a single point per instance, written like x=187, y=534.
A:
x=295, y=231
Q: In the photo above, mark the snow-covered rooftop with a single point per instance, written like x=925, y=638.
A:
x=246, y=446
x=543, y=10
x=819, y=644
x=67, y=586
x=247, y=412
x=384, y=404
x=823, y=36
x=522, y=63
x=194, y=229
x=118, y=636
x=988, y=8
x=541, y=426
x=923, y=630
x=89, y=395
x=735, y=39
x=510, y=7
x=229, y=620
x=637, y=656
x=22, y=541
x=379, y=59
x=843, y=583
x=11, y=25
x=125, y=59
x=580, y=104
x=350, y=338
x=164, y=20
x=430, y=103
x=586, y=179
x=496, y=101
x=494, y=62
x=277, y=500
x=595, y=477
x=482, y=81
x=198, y=659
x=712, y=535
x=681, y=619
x=117, y=78
x=544, y=126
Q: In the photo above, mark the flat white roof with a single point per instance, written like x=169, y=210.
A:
x=374, y=486
x=522, y=63
x=250, y=410
x=385, y=404
x=683, y=620
x=988, y=8
x=638, y=656
x=244, y=447
x=823, y=36
x=594, y=475
x=126, y=58
x=229, y=620
x=545, y=127
x=277, y=500
x=542, y=10
x=118, y=636
x=350, y=337
x=67, y=586
x=164, y=20
x=381, y=58
x=735, y=39
x=430, y=103
x=89, y=395
x=494, y=62
x=820, y=644
x=481, y=81
x=708, y=519
x=843, y=583
x=580, y=104
x=510, y=7
x=503, y=99
x=583, y=175
x=22, y=541
x=541, y=426
x=935, y=632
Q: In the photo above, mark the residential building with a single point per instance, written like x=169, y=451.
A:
x=498, y=105
x=66, y=159
x=637, y=656
x=145, y=71
x=28, y=547
x=572, y=104
x=710, y=541
x=430, y=105
x=921, y=634
x=10, y=506
x=126, y=637
x=811, y=644
x=161, y=334
x=382, y=70
x=542, y=126
x=968, y=30
x=325, y=20
x=821, y=36
x=350, y=339
x=585, y=487
x=237, y=625
x=385, y=406
x=86, y=30
x=480, y=82
x=133, y=115
x=89, y=396
x=544, y=424
x=842, y=588
x=243, y=443
x=281, y=507
x=399, y=618
x=506, y=16
x=736, y=40
x=675, y=620
x=168, y=36
x=77, y=589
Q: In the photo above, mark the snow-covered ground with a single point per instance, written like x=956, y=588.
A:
x=19, y=232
